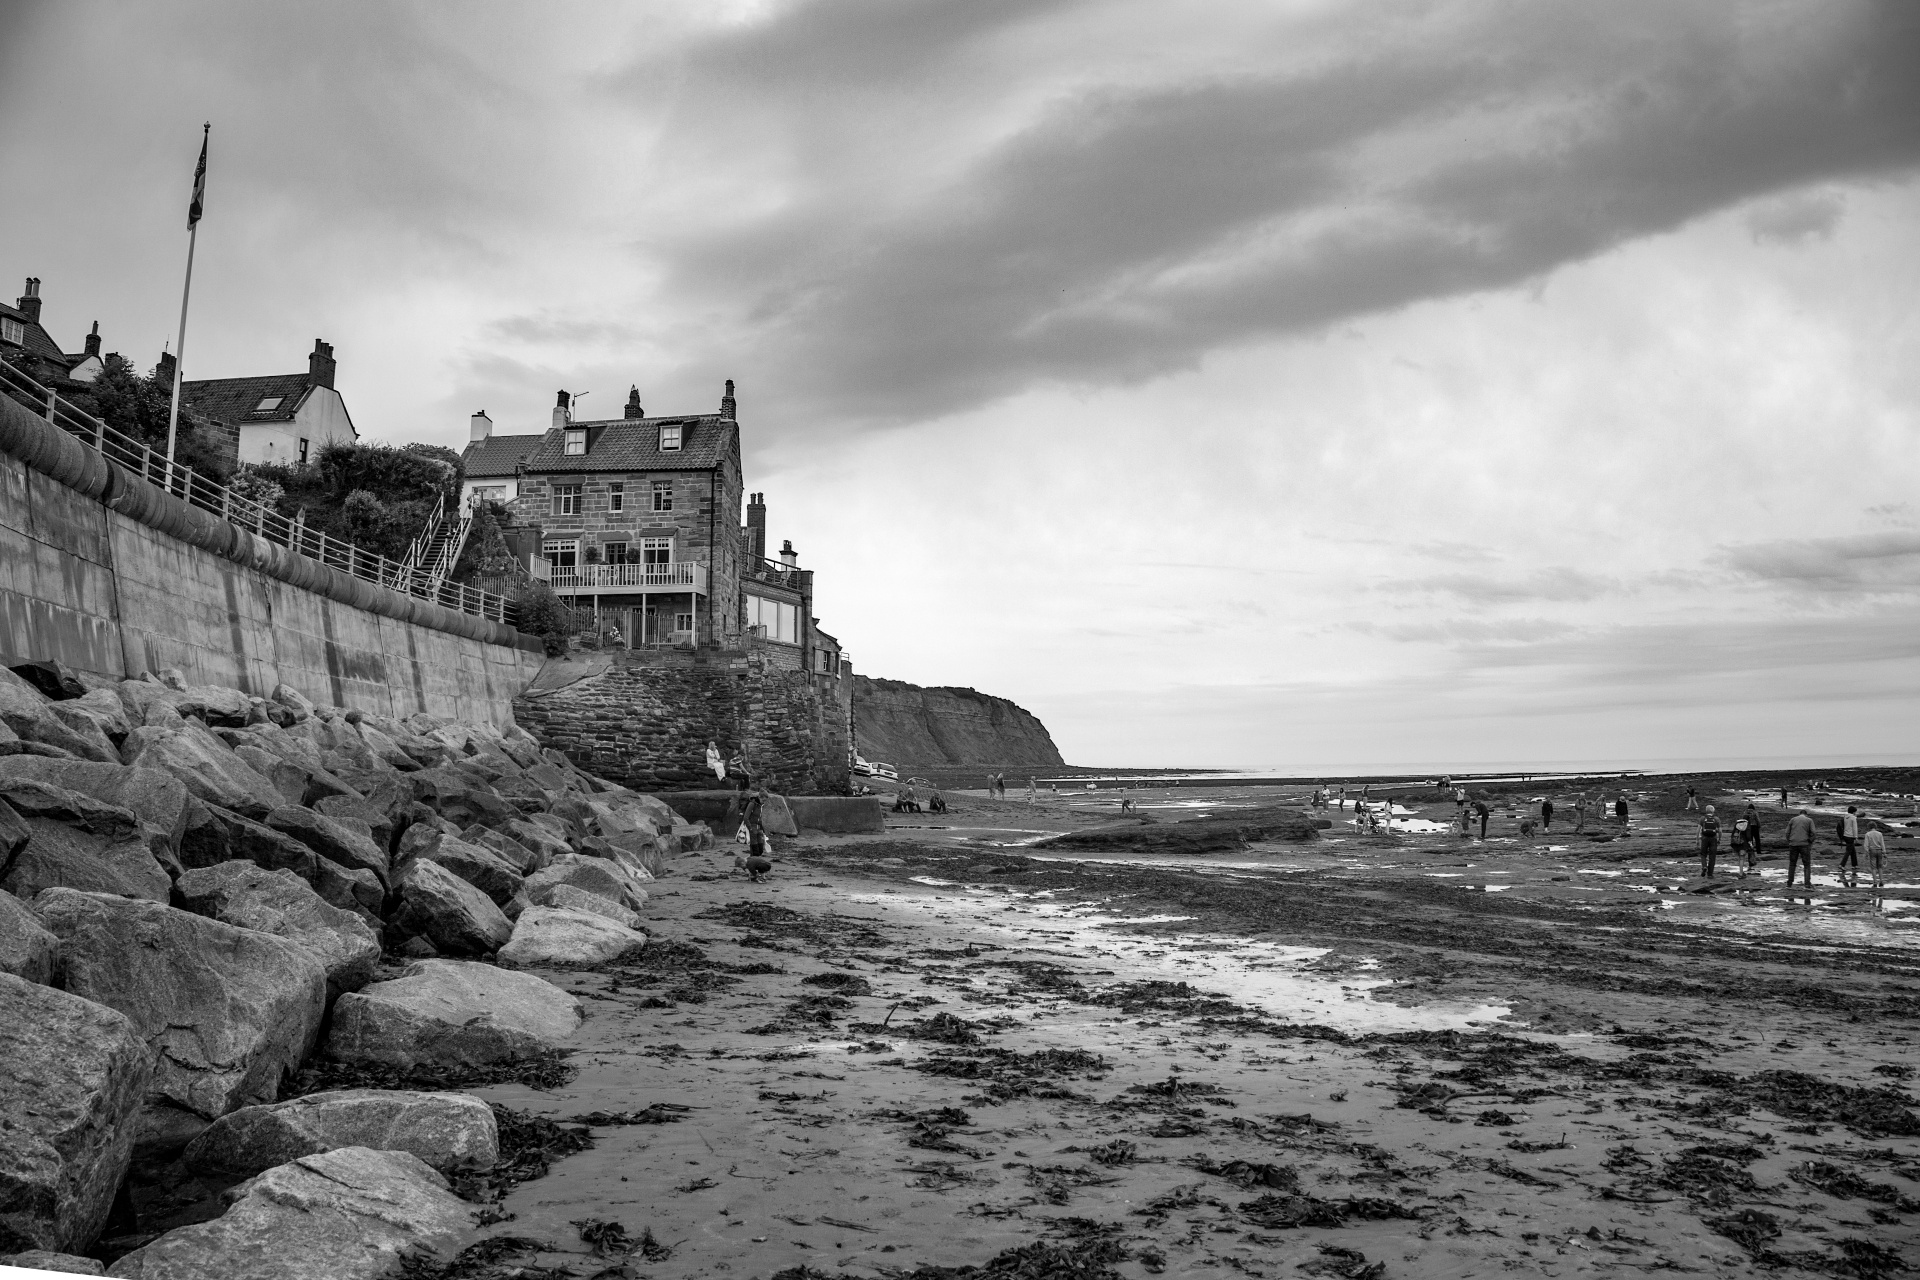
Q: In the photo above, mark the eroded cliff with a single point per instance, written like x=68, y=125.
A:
x=905, y=724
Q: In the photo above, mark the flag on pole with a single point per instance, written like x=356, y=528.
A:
x=199, y=181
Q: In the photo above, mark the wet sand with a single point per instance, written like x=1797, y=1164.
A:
x=1421, y=1053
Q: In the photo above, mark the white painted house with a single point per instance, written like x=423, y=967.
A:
x=283, y=418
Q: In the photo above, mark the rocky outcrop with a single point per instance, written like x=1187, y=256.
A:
x=280, y=903
x=595, y=875
x=47, y=1260
x=1195, y=835
x=75, y=1074
x=340, y=1215
x=574, y=899
x=226, y=1011
x=559, y=935
x=458, y=919
x=450, y=1131
x=907, y=725
x=445, y=1013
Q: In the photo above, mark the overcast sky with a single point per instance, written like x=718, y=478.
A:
x=1276, y=383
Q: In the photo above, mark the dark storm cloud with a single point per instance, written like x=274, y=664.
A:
x=1128, y=231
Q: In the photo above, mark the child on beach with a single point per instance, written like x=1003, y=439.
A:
x=1875, y=846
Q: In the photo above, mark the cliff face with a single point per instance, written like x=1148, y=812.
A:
x=905, y=724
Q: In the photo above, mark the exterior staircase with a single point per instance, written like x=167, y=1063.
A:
x=436, y=551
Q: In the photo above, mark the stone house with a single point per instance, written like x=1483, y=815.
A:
x=642, y=526
x=25, y=342
x=283, y=417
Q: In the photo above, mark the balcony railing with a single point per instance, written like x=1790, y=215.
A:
x=771, y=572
x=262, y=521
x=680, y=576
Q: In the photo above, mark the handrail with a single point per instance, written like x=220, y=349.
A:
x=257, y=518
x=419, y=545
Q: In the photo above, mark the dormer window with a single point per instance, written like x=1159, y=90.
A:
x=669, y=438
x=576, y=442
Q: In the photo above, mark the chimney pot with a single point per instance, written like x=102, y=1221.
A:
x=562, y=410
x=93, y=340
x=727, y=402
x=633, y=404
x=481, y=426
x=788, y=556
x=320, y=364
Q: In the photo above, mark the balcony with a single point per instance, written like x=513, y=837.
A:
x=630, y=579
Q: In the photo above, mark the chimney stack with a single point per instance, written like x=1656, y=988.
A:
x=481, y=426
x=93, y=340
x=757, y=525
x=633, y=404
x=788, y=556
x=29, y=302
x=726, y=403
x=563, y=410
x=320, y=364
x=163, y=372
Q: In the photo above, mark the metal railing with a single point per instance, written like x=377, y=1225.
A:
x=773, y=572
x=256, y=518
x=686, y=575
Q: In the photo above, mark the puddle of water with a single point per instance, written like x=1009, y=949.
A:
x=1268, y=977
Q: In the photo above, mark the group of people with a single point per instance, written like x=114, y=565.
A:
x=907, y=799
x=1856, y=836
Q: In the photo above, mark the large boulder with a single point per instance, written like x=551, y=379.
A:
x=207, y=766
x=450, y=1131
x=70, y=1092
x=281, y=903
x=334, y=841
x=48, y=1260
x=26, y=949
x=348, y=1214
x=461, y=797
x=358, y=812
x=557, y=935
x=480, y=867
x=76, y=842
x=27, y=713
x=215, y=835
x=595, y=875
x=227, y=1011
x=449, y=1013
x=289, y=779
x=149, y=705
x=157, y=799
x=439, y=906
x=576, y=899
x=619, y=809
x=518, y=856
x=546, y=843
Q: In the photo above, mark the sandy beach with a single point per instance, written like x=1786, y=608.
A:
x=1411, y=1055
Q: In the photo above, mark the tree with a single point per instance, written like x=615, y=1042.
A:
x=138, y=406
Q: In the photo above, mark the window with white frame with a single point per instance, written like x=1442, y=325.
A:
x=683, y=622
x=566, y=499
x=618, y=552
x=490, y=492
x=670, y=437
x=663, y=495
x=576, y=442
x=616, y=497
x=656, y=551
x=781, y=620
x=564, y=557
x=13, y=331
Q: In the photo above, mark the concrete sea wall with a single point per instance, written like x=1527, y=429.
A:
x=109, y=574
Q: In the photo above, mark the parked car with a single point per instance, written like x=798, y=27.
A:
x=861, y=769
x=882, y=770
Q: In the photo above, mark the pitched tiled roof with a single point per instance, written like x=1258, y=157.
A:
x=233, y=400
x=35, y=338
x=497, y=455
x=633, y=444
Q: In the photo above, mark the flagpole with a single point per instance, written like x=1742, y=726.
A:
x=186, y=291
x=180, y=352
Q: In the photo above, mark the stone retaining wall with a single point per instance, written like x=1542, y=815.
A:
x=647, y=726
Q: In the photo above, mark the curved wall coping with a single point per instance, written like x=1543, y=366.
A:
x=61, y=457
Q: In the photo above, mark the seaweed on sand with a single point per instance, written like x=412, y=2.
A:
x=483, y=1260
x=1282, y=1212
x=847, y=984
x=943, y=1027
x=1247, y=1174
x=1844, y=1184
x=1007, y=1074
x=1087, y=1258
x=1701, y=1173
x=529, y=1145
x=768, y=920
x=544, y=1072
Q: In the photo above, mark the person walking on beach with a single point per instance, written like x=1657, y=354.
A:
x=1033, y=792
x=1580, y=813
x=1875, y=843
x=1693, y=798
x=1709, y=843
x=1546, y=814
x=1752, y=818
x=1850, y=840
x=1783, y=795
x=1800, y=845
